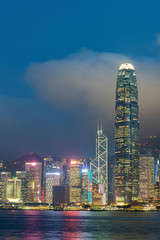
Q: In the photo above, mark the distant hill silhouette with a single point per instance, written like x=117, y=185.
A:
x=19, y=164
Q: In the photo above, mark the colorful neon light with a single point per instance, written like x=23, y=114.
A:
x=34, y=164
x=73, y=162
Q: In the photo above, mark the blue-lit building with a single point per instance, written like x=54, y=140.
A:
x=127, y=135
x=87, y=186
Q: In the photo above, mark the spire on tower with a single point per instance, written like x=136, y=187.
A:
x=99, y=126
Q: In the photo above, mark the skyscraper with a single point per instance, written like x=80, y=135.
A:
x=14, y=190
x=146, y=178
x=3, y=189
x=52, y=179
x=23, y=176
x=99, y=165
x=127, y=135
x=75, y=181
x=87, y=187
x=34, y=171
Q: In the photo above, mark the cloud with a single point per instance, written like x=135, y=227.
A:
x=157, y=43
x=86, y=78
x=84, y=83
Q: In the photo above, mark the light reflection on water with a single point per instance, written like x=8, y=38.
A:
x=38, y=225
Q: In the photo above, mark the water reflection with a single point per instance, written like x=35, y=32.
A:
x=37, y=225
x=71, y=226
x=33, y=226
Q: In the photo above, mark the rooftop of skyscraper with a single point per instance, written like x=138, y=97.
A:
x=126, y=66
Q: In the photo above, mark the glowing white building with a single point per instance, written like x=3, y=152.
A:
x=52, y=179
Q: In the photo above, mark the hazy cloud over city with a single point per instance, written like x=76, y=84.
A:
x=87, y=80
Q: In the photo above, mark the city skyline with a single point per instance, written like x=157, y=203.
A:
x=58, y=74
x=85, y=181
x=79, y=125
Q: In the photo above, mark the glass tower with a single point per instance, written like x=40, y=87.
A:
x=87, y=186
x=127, y=135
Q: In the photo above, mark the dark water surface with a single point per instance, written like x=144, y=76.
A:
x=37, y=225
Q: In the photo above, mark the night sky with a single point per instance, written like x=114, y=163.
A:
x=58, y=68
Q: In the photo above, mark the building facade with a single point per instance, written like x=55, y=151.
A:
x=14, y=190
x=3, y=190
x=75, y=181
x=23, y=176
x=99, y=195
x=52, y=179
x=87, y=186
x=5, y=175
x=127, y=135
x=34, y=171
x=146, y=177
x=61, y=195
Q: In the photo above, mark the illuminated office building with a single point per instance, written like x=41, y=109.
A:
x=14, y=190
x=34, y=170
x=151, y=145
x=3, y=190
x=156, y=180
x=52, y=179
x=87, y=186
x=65, y=171
x=111, y=185
x=23, y=176
x=75, y=181
x=99, y=195
x=146, y=177
x=5, y=175
x=1, y=165
x=127, y=135
x=51, y=163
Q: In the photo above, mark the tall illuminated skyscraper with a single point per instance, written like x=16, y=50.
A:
x=34, y=171
x=99, y=165
x=75, y=181
x=127, y=135
x=23, y=176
